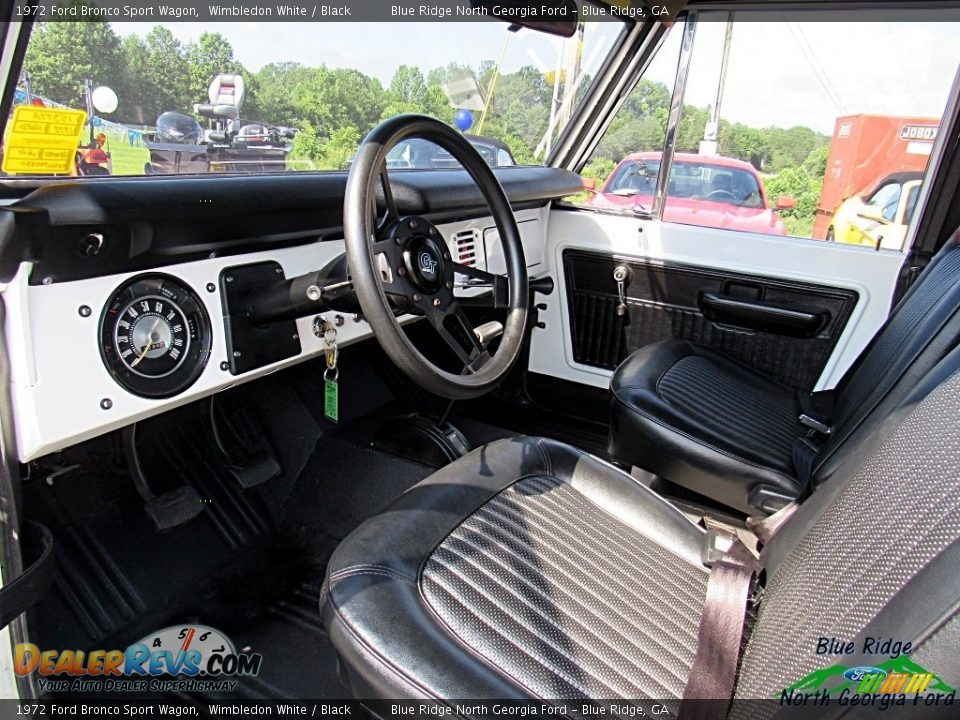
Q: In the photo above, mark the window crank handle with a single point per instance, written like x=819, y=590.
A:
x=620, y=276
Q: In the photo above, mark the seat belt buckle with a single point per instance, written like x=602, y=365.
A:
x=814, y=424
x=716, y=546
x=718, y=540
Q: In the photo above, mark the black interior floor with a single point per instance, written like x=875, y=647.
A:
x=252, y=562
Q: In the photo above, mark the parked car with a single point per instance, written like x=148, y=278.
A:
x=880, y=217
x=712, y=191
x=419, y=154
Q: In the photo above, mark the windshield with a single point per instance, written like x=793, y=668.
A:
x=237, y=97
x=689, y=180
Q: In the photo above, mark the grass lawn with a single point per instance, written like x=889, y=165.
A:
x=126, y=159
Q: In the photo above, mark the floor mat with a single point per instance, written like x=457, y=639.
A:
x=250, y=564
x=342, y=485
x=298, y=660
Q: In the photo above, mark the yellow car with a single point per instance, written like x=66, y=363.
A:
x=880, y=218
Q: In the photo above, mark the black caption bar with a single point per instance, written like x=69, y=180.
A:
x=97, y=705
x=810, y=709
x=334, y=11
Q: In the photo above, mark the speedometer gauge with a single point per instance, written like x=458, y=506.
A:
x=154, y=336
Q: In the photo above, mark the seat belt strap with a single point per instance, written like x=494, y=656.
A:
x=710, y=685
x=766, y=527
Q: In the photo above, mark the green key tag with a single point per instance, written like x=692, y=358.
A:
x=331, y=399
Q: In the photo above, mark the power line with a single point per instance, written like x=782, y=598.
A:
x=815, y=66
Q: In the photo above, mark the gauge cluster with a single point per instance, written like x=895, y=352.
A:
x=92, y=355
x=155, y=336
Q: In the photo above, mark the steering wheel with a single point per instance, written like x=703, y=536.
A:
x=403, y=263
x=721, y=196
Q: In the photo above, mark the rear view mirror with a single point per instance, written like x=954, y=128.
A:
x=785, y=202
x=589, y=184
x=556, y=17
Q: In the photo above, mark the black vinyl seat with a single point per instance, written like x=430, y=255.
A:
x=530, y=570
x=704, y=421
x=499, y=575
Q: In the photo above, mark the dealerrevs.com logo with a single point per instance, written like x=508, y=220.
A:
x=179, y=657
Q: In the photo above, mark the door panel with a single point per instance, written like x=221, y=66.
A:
x=674, y=301
x=673, y=269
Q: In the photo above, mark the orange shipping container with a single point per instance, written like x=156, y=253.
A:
x=864, y=150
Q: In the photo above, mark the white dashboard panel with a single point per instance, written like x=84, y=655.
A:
x=60, y=384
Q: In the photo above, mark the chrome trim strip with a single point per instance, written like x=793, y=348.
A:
x=676, y=111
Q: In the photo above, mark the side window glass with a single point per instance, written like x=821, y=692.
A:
x=789, y=125
x=912, y=194
x=841, y=116
x=889, y=204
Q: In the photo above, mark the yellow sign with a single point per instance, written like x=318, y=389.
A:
x=42, y=141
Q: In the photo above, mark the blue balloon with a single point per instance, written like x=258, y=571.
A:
x=463, y=119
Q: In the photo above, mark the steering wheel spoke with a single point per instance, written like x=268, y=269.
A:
x=391, y=273
x=391, y=214
x=498, y=286
x=454, y=327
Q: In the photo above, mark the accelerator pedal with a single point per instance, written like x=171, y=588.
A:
x=169, y=509
x=244, y=447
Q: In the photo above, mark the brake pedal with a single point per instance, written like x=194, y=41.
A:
x=243, y=446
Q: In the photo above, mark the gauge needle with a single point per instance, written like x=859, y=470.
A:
x=146, y=348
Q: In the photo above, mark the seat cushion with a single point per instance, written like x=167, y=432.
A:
x=526, y=569
x=704, y=421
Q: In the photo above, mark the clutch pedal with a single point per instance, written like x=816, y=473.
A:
x=169, y=509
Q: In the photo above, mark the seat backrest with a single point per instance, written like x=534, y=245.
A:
x=873, y=553
x=227, y=89
x=921, y=330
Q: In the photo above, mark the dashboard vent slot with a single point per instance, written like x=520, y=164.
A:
x=465, y=244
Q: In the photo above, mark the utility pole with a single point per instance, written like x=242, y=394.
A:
x=711, y=131
x=492, y=86
x=27, y=87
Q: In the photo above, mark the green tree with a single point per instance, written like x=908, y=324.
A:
x=157, y=75
x=803, y=183
x=62, y=55
x=520, y=106
x=744, y=143
x=789, y=147
x=409, y=92
x=340, y=148
x=816, y=162
x=335, y=98
x=690, y=132
x=278, y=85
